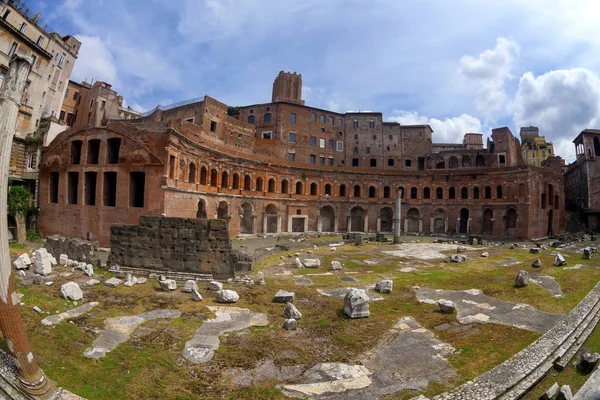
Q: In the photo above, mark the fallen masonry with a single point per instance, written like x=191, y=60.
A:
x=118, y=330
x=200, y=349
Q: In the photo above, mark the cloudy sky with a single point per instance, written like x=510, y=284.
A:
x=459, y=65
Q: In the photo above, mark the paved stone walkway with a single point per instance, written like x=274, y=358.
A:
x=118, y=330
x=473, y=306
x=73, y=313
x=201, y=348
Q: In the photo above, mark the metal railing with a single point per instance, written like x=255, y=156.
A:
x=34, y=17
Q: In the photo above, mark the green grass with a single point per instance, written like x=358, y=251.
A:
x=149, y=365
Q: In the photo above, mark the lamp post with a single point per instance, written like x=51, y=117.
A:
x=397, y=216
x=31, y=379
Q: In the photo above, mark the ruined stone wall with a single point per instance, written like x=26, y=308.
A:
x=176, y=244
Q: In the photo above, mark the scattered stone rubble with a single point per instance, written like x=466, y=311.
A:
x=227, y=296
x=384, y=286
x=559, y=260
x=522, y=279
x=71, y=291
x=283, y=296
x=290, y=311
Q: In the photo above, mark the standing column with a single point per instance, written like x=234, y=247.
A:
x=264, y=223
x=335, y=223
x=31, y=377
x=319, y=224
x=254, y=224
x=378, y=224
x=349, y=223
x=397, y=216
x=278, y=223
x=366, y=224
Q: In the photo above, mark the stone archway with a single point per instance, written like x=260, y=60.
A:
x=463, y=223
x=357, y=218
x=414, y=220
x=386, y=219
x=510, y=222
x=201, y=213
x=223, y=210
x=487, y=223
x=271, y=218
x=246, y=218
x=439, y=221
x=327, y=215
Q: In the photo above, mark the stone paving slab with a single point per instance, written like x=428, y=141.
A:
x=200, y=349
x=473, y=306
x=73, y=313
x=431, y=251
x=548, y=283
x=118, y=330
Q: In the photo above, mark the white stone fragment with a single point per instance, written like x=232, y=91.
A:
x=71, y=291
x=214, y=285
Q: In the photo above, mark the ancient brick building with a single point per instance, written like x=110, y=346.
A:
x=286, y=167
x=582, y=179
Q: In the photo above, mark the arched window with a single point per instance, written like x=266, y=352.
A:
x=356, y=191
x=426, y=193
x=464, y=193
x=386, y=192
x=224, y=179
x=451, y=193
x=439, y=193
x=284, y=186
x=499, y=192
x=342, y=190
x=268, y=117
x=313, y=189
x=372, y=192
x=259, y=184
x=479, y=161
x=213, y=177
x=236, y=181
x=476, y=192
x=251, y=119
x=488, y=192
x=192, y=174
x=298, y=187
x=328, y=189
x=203, y=175
x=413, y=192
x=271, y=186
x=247, y=182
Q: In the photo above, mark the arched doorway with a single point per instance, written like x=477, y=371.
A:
x=201, y=213
x=466, y=161
x=487, y=225
x=246, y=223
x=223, y=210
x=463, y=223
x=271, y=217
x=327, y=219
x=510, y=222
x=357, y=218
x=453, y=162
x=439, y=221
x=413, y=220
x=386, y=217
x=550, y=215
x=479, y=161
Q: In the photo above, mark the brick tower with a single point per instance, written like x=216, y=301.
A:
x=288, y=87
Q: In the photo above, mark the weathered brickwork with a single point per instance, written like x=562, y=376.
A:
x=176, y=244
x=201, y=162
x=582, y=179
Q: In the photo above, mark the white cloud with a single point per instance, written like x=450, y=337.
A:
x=561, y=103
x=449, y=130
x=95, y=61
x=489, y=71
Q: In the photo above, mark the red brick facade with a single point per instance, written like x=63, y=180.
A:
x=198, y=161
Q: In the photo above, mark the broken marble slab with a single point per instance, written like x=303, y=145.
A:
x=473, y=306
x=200, y=349
x=73, y=313
x=119, y=329
x=548, y=283
x=328, y=378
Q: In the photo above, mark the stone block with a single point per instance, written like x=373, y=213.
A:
x=113, y=282
x=559, y=260
x=446, y=306
x=283, y=296
x=214, y=285
x=63, y=259
x=356, y=303
x=190, y=286
x=311, y=263
x=71, y=291
x=168, y=284
x=522, y=279
x=227, y=296
x=384, y=286
x=22, y=262
x=290, y=324
x=336, y=265
x=290, y=311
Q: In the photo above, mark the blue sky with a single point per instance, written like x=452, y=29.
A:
x=461, y=65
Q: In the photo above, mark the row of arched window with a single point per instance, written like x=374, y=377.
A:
x=246, y=182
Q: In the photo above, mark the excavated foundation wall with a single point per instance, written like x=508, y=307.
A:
x=195, y=245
